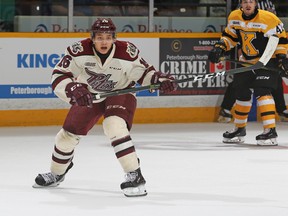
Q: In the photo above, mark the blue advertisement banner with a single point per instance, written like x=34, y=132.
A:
x=26, y=91
x=39, y=91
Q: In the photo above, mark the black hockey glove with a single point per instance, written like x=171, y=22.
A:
x=217, y=52
x=166, y=82
x=283, y=64
x=79, y=94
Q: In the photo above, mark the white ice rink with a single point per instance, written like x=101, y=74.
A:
x=189, y=172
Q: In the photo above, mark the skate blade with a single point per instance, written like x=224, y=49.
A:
x=234, y=140
x=222, y=119
x=49, y=186
x=135, y=191
x=268, y=142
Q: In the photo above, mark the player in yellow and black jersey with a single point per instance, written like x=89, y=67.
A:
x=252, y=31
x=229, y=99
x=251, y=28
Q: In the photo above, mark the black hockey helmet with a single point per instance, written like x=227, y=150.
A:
x=103, y=25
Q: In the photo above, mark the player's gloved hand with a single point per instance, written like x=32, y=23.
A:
x=217, y=52
x=283, y=64
x=166, y=82
x=79, y=94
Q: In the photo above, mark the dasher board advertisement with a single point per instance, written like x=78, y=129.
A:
x=187, y=57
x=27, y=64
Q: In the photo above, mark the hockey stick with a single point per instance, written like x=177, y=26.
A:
x=248, y=64
x=156, y=86
x=268, y=52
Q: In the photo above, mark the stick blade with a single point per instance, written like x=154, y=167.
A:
x=269, y=50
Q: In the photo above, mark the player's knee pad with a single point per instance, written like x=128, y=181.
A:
x=66, y=141
x=243, y=94
x=259, y=92
x=115, y=127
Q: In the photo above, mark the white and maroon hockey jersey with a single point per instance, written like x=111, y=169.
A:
x=122, y=69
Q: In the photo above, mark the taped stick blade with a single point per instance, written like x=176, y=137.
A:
x=269, y=50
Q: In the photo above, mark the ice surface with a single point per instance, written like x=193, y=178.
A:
x=189, y=171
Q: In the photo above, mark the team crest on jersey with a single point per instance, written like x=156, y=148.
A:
x=76, y=47
x=131, y=50
x=99, y=81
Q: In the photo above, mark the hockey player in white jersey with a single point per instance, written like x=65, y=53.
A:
x=94, y=65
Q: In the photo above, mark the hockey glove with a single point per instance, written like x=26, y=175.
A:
x=283, y=64
x=217, y=52
x=79, y=94
x=166, y=81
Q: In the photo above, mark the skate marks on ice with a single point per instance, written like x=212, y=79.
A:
x=196, y=146
x=187, y=167
x=257, y=147
x=94, y=198
x=77, y=201
x=202, y=137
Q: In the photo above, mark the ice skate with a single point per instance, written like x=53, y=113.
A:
x=224, y=116
x=234, y=136
x=267, y=138
x=134, y=185
x=50, y=179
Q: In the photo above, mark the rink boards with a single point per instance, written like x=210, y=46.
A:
x=27, y=60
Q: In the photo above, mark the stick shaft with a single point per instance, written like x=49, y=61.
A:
x=156, y=86
x=248, y=64
x=268, y=52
